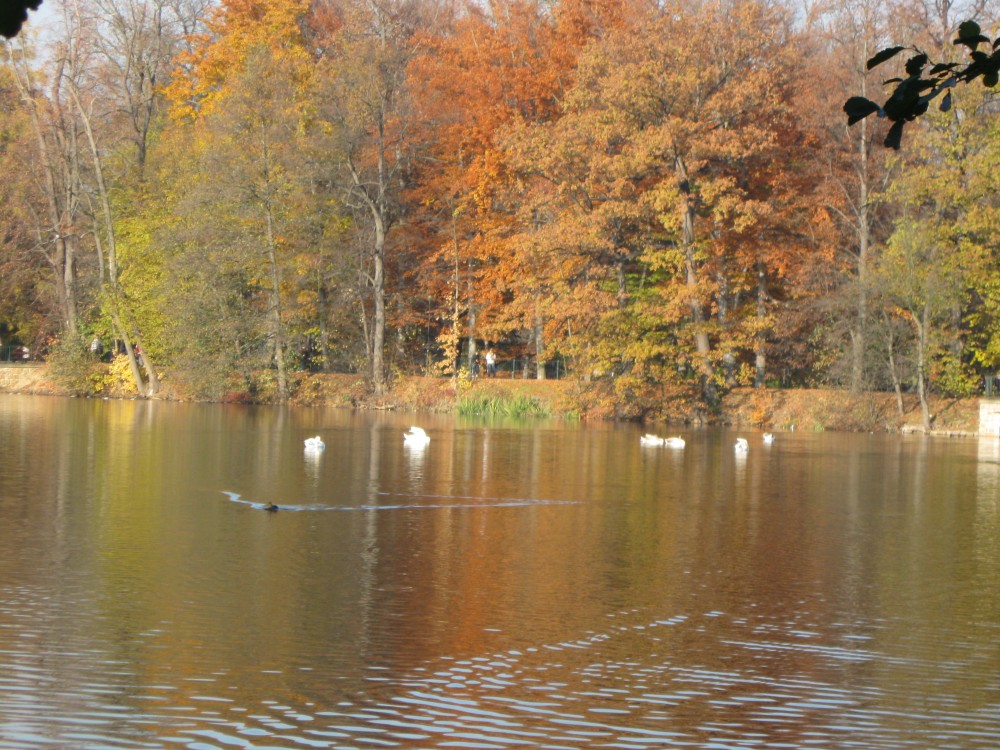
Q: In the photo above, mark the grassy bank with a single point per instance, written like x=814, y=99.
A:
x=801, y=409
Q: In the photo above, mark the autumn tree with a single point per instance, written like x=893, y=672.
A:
x=367, y=47
x=657, y=173
x=851, y=176
x=82, y=155
x=242, y=102
x=29, y=310
x=505, y=63
x=132, y=46
x=84, y=93
x=57, y=166
x=942, y=250
x=136, y=44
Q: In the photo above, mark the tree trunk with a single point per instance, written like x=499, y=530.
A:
x=920, y=323
x=68, y=244
x=378, y=324
x=62, y=259
x=760, y=339
x=473, y=351
x=471, y=338
x=109, y=280
x=130, y=352
x=275, y=305
x=702, y=344
x=538, y=334
x=728, y=356
x=324, y=333
x=859, y=332
x=378, y=213
x=897, y=386
x=152, y=379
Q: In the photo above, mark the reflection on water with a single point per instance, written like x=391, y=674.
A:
x=505, y=586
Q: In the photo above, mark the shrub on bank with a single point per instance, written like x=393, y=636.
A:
x=73, y=369
x=501, y=406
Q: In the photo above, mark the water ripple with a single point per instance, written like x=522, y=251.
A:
x=480, y=502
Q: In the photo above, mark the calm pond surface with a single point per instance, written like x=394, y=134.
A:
x=511, y=585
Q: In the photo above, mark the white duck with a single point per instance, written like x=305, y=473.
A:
x=650, y=439
x=768, y=438
x=674, y=442
x=742, y=446
x=315, y=444
x=416, y=437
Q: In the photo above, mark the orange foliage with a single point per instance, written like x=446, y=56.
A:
x=235, y=28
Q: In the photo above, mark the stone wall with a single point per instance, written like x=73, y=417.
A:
x=21, y=378
x=989, y=417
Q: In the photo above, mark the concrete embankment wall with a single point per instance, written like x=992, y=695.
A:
x=23, y=379
x=989, y=417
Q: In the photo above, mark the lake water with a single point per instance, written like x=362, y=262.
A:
x=512, y=585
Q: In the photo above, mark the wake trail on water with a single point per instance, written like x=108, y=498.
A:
x=481, y=502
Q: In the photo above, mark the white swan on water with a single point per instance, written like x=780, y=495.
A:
x=650, y=439
x=416, y=436
x=768, y=438
x=742, y=446
x=315, y=444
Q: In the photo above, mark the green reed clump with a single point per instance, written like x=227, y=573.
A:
x=501, y=406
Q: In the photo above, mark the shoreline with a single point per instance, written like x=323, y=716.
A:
x=782, y=409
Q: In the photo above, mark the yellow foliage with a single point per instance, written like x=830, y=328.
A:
x=237, y=28
x=119, y=377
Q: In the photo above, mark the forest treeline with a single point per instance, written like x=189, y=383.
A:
x=663, y=197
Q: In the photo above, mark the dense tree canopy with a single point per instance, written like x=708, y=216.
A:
x=659, y=199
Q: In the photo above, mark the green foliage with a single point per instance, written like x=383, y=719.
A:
x=500, y=405
x=72, y=366
x=951, y=378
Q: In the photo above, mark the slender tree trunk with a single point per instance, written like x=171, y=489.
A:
x=109, y=280
x=152, y=378
x=133, y=357
x=760, y=339
x=859, y=331
x=471, y=337
x=473, y=348
x=920, y=324
x=897, y=386
x=378, y=325
x=539, y=337
x=728, y=356
x=62, y=258
x=324, y=333
x=455, y=356
x=275, y=305
x=378, y=213
x=68, y=244
x=702, y=344
x=364, y=279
